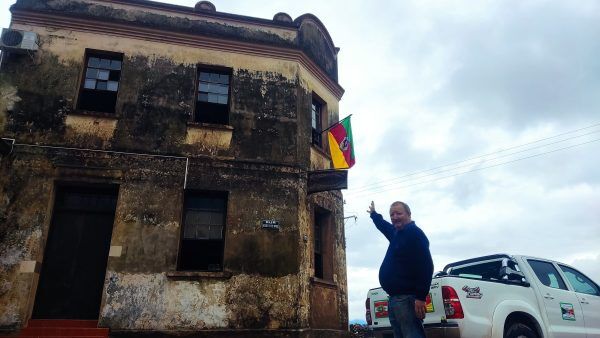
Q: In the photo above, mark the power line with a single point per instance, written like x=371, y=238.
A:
x=481, y=168
x=368, y=187
x=400, y=180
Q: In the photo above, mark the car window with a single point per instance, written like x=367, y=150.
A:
x=547, y=274
x=488, y=270
x=580, y=282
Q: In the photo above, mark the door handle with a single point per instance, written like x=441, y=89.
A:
x=547, y=296
x=583, y=301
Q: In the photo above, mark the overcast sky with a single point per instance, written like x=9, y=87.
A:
x=482, y=115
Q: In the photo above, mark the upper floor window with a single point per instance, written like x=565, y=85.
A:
x=202, y=241
x=212, y=96
x=317, y=122
x=100, y=83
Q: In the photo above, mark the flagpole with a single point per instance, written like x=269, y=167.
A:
x=335, y=124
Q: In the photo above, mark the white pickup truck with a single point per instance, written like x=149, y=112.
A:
x=502, y=296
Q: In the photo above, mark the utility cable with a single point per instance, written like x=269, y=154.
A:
x=378, y=191
x=400, y=180
x=366, y=187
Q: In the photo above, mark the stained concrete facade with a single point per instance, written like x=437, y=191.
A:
x=151, y=151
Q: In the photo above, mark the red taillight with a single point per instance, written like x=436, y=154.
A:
x=368, y=314
x=452, y=303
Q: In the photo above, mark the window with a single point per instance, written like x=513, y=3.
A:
x=323, y=248
x=202, y=242
x=547, y=274
x=580, y=282
x=100, y=83
x=318, y=250
x=488, y=270
x=212, y=96
x=317, y=122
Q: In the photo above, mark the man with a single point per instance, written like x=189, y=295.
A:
x=406, y=271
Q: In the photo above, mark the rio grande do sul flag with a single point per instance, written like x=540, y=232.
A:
x=341, y=146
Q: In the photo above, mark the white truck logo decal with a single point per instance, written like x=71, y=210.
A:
x=472, y=292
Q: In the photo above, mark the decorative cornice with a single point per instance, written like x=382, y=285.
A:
x=177, y=9
x=192, y=40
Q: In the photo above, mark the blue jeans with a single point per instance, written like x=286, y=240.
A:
x=401, y=311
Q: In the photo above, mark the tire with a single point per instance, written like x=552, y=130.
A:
x=519, y=330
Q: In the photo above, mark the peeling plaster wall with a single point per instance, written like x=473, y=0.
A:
x=23, y=214
x=259, y=159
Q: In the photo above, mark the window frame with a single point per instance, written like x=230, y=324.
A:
x=322, y=121
x=182, y=262
x=322, y=227
x=197, y=113
x=89, y=53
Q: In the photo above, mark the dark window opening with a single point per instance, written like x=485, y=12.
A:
x=323, y=244
x=100, y=83
x=202, y=237
x=318, y=251
x=317, y=123
x=212, y=96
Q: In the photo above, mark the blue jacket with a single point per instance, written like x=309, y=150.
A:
x=407, y=267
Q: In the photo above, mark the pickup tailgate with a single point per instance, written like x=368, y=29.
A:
x=378, y=307
x=435, y=303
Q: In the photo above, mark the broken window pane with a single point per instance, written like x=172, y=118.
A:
x=114, y=75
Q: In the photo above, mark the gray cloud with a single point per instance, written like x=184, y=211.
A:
x=527, y=64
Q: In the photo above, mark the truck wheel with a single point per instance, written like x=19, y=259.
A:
x=518, y=330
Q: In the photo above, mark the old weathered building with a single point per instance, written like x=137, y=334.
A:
x=157, y=168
